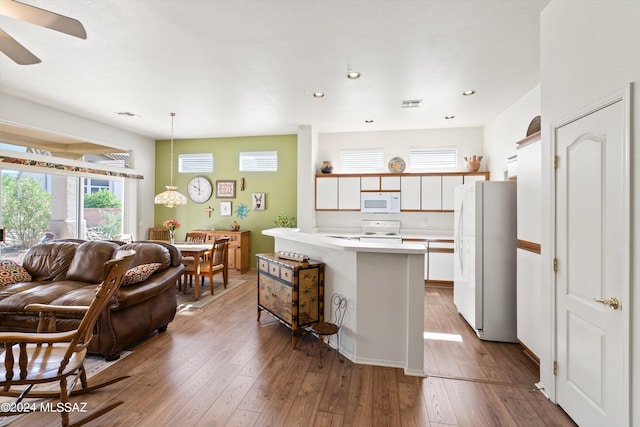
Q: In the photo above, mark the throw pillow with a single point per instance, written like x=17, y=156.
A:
x=11, y=272
x=139, y=273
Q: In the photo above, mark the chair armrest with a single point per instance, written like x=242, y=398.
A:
x=47, y=308
x=35, y=338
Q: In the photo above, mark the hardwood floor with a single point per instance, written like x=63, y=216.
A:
x=217, y=366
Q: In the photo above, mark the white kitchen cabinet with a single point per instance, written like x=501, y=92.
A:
x=410, y=193
x=439, y=262
x=370, y=183
x=449, y=183
x=431, y=194
x=390, y=183
x=326, y=193
x=529, y=301
x=349, y=193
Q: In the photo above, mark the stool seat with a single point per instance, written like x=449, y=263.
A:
x=325, y=328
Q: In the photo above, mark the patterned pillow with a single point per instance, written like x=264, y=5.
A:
x=139, y=273
x=11, y=272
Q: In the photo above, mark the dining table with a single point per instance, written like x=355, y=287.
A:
x=198, y=251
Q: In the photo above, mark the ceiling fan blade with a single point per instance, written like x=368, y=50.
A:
x=14, y=50
x=43, y=18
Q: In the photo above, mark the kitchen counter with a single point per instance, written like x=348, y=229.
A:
x=409, y=234
x=384, y=286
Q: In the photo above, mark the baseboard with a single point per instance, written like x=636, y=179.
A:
x=530, y=353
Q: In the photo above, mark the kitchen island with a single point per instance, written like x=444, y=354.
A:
x=384, y=286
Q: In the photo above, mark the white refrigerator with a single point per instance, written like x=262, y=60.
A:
x=485, y=241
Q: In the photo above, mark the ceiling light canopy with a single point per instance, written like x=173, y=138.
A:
x=353, y=75
x=318, y=94
x=468, y=92
x=170, y=197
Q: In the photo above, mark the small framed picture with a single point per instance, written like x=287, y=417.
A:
x=258, y=201
x=225, y=208
x=225, y=189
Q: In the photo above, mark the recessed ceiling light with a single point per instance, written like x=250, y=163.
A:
x=126, y=114
x=368, y=121
x=468, y=92
x=352, y=75
x=318, y=94
x=450, y=117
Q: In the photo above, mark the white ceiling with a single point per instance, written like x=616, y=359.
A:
x=249, y=67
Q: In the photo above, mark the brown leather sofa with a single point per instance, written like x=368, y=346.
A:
x=66, y=272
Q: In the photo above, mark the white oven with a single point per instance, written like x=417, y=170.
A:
x=380, y=202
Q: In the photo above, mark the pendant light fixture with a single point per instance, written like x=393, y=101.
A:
x=170, y=197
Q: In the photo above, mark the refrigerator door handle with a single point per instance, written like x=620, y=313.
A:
x=460, y=230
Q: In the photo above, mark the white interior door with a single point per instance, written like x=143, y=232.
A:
x=592, y=253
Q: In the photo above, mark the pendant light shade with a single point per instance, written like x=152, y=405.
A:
x=170, y=197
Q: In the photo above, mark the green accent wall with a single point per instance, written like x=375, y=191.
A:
x=280, y=188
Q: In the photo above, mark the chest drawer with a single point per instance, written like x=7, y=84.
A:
x=286, y=274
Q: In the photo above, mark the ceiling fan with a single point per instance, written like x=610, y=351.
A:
x=34, y=15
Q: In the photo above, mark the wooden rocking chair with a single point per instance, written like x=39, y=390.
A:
x=48, y=356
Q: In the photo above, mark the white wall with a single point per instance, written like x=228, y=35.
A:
x=589, y=50
x=502, y=133
x=469, y=141
x=138, y=193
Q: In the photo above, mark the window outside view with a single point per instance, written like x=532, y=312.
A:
x=37, y=207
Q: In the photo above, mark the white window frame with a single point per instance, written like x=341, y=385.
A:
x=429, y=158
x=195, y=162
x=258, y=161
x=362, y=160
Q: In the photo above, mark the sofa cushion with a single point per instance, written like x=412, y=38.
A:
x=49, y=260
x=88, y=262
x=147, y=253
x=139, y=273
x=11, y=272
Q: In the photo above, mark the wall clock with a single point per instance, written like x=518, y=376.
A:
x=199, y=189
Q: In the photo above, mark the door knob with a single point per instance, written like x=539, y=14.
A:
x=612, y=302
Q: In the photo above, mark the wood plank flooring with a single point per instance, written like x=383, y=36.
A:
x=217, y=366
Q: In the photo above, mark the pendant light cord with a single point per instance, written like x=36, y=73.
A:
x=171, y=169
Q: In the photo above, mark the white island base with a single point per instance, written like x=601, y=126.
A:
x=384, y=286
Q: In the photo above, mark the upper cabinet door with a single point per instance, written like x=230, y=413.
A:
x=390, y=183
x=410, y=193
x=370, y=183
x=449, y=183
x=432, y=193
x=326, y=193
x=349, y=193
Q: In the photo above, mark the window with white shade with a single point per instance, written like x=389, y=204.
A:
x=432, y=158
x=362, y=160
x=195, y=162
x=258, y=161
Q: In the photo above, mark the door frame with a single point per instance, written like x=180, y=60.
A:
x=624, y=96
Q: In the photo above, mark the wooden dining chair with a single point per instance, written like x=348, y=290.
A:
x=215, y=263
x=157, y=233
x=49, y=356
x=195, y=237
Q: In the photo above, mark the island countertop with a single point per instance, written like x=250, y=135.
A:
x=345, y=242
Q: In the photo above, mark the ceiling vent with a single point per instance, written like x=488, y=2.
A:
x=411, y=103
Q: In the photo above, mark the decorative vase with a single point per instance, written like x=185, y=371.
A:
x=326, y=167
x=472, y=163
x=172, y=236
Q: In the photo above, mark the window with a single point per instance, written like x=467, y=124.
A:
x=432, y=158
x=195, y=162
x=362, y=160
x=258, y=161
x=38, y=206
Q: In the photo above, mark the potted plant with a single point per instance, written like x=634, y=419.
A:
x=283, y=221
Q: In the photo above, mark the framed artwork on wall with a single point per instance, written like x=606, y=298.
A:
x=225, y=189
x=225, y=208
x=258, y=201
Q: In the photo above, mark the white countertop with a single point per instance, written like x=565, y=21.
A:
x=342, y=241
x=405, y=233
